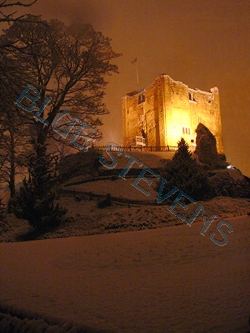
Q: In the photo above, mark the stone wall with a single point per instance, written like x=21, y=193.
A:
x=167, y=111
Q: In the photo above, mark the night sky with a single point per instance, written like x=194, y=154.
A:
x=201, y=43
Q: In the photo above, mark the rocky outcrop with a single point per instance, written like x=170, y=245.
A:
x=206, y=148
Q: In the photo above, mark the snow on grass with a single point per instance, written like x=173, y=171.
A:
x=86, y=219
x=167, y=279
x=151, y=281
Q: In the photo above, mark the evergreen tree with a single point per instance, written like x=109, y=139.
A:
x=35, y=200
x=183, y=172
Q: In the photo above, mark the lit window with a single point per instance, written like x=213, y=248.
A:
x=186, y=130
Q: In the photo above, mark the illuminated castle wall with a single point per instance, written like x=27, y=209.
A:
x=169, y=110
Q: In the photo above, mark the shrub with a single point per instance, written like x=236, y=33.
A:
x=183, y=172
x=81, y=163
x=35, y=200
x=106, y=202
x=2, y=211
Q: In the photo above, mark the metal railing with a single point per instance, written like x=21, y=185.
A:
x=140, y=148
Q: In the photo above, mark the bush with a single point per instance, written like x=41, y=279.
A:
x=2, y=211
x=106, y=202
x=230, y=183
x=82, y=163
x=183, y=172
x=35, y=200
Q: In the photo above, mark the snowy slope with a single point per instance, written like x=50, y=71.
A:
x=170, y=280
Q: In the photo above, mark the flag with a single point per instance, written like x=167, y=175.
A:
x=134, y=61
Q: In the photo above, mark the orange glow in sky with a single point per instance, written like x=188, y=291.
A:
x=201, y=43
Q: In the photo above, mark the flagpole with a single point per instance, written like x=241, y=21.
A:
x=137, y=71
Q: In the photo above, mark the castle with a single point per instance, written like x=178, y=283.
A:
x=169, y=110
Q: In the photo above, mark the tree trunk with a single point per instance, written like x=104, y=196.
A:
x=12, y=165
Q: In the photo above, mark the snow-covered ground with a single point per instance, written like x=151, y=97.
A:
x=169, y=280
x=150, y=159
x=166, y=280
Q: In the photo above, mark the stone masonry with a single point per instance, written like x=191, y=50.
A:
x=169, y=110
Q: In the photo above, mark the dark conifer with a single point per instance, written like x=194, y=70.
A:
x=35, y=200
x=183, y=172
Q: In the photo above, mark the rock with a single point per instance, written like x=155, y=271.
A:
x=206, y=148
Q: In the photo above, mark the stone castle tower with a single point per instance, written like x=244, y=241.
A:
x=169, y=110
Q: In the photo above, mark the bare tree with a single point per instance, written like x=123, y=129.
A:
x=68, y=66
x=6, y=13
x=12, y=136
x=14, y=145
x=13, y=150
x=14, y=124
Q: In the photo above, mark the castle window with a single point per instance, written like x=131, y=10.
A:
x=186, y=130
x=141, y=98
x=191, y=97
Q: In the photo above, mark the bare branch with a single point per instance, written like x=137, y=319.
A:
x=5, y=3
x=10, y=16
